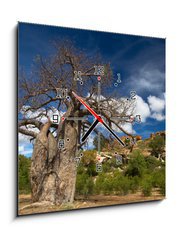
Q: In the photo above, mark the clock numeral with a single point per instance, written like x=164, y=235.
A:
x=118, y=80
x=119, y=159
x=99, y=70
x=78, y=77
x=62, y=93
x=61, y=144
x=99, y=167
x=55, y=119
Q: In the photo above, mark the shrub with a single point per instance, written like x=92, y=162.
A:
x=24, y=174
x=107, y=186
x=158, y=180
x=151, y=162
x=134, y=184
x=91, y=169
x=98, y=188
x=137, y=165
x=89, y=156
x=81, y=169
x=121, y=184
x=157, y=145
x=146, y=185
x=84, y=184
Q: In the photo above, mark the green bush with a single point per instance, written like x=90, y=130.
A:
x=107, y=186
x=151, y=162
x=136, y=165
x=81, y=169
x=84, y=184
x=89, y=157
x=99, y=184
x=110, y=165
x=134, y=184
x=24, y=174
x=146, y=185
x=122, y=185
x=158, y=180
x=91, y=169
x=157, y=145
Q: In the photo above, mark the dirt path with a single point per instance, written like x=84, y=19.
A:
x=26, y=206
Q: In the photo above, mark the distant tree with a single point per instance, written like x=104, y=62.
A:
x=157, y=145
x=146, y=188
x=158, y=180
x=24, y=174
x=136, y=165
x=151, y=162
x=89, y=156
x=84, y=184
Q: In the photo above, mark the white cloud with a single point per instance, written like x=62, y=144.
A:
x=128, y=127
x=23, y=139
x=158, y=116
x=142, y=108
x=43, y=118
x=156, y=104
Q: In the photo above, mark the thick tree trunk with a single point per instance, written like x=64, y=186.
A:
x=53, y=171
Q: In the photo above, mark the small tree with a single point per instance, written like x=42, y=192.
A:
x=24, y=174
x=84, y=185
x=137, y=165
x=151, y=162
x=157, y=145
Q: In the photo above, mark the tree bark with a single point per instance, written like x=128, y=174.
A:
x=53, y=171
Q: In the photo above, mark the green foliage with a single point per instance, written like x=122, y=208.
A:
x=134, y=184
x=89, y=156
x=141, y=173
x=99, y=183
x=151, y=162
x=137, y=165
x=147, y=186
x=84, y=184
x=110, y=165
x=24, y=174
x=158, y=180
x=81, y=169
x=91, y=169
x=122, y=185
x=157, y=145
x=112, y=184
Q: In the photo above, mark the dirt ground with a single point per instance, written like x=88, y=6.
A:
x=27, y=207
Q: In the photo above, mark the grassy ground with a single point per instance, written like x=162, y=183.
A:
x=26, y=206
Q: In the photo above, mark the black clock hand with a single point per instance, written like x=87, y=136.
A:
x=90, y=130
x=98, y=118
x=111, y=131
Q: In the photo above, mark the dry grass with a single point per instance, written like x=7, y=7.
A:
x=27, y=207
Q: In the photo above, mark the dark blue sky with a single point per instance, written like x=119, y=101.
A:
x=140, y=60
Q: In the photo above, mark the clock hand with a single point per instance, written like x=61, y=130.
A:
x=98, y=118
x=89, y=108
x=90, y=130
x=111, y=131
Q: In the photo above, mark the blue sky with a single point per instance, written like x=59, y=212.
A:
x=139, y=60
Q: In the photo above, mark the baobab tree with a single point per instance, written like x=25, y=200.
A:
x=53, y=170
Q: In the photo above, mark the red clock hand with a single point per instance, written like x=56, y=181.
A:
x=89, y=108
x=98, y=118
